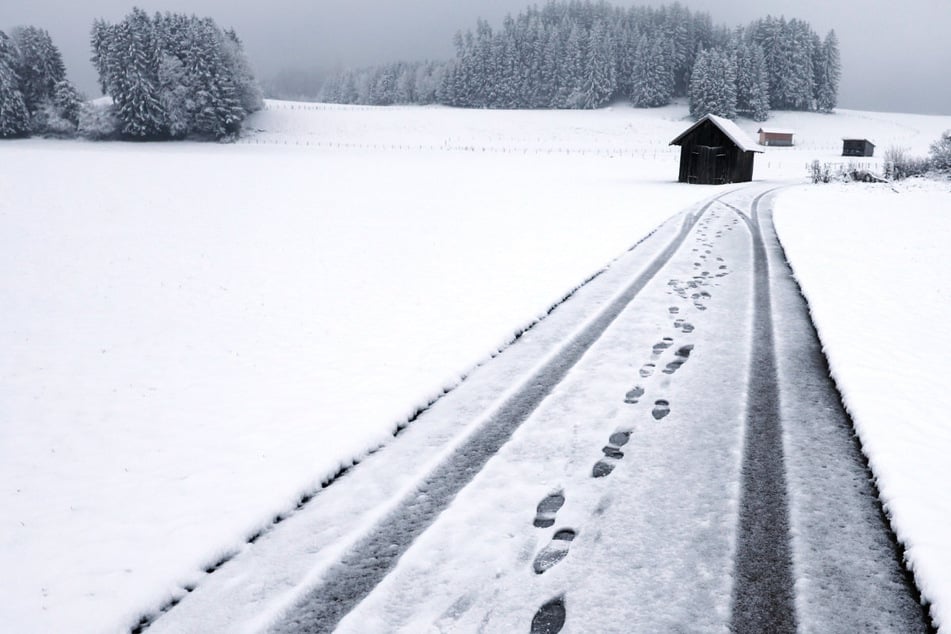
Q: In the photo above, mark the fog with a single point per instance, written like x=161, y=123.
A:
x=895, y=55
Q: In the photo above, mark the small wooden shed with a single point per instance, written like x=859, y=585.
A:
x=776, y=137
x=857, y=147
x=714, y=151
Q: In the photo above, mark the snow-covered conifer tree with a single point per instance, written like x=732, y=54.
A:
x=137, y=104
x=829, y=72
x=39, y=65
x=173, y=92
x=14, y=116
x=752, y=82
x=653, y=82
x=599, y=81
x=173, y=75
x=247, y=89
x=570, y=70
x=713, y=85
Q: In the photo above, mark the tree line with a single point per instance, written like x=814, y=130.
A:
x=585, y=55
x=169, y=76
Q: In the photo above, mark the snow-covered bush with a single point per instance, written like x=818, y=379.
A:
x=941, y=152
x=899, y=165
x=820, y=172
x=98, y=121
x=841, y=173
x=49, y=121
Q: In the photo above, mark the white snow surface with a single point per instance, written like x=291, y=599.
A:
x=194, y=336
x=872, y=261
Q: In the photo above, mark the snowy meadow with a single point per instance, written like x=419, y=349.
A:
x=196, y=336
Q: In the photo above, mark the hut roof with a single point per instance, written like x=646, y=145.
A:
x=728, y=128
x=777, y=131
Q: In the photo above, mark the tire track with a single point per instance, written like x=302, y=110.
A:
x=765, y=574
x=371, y=558
x=763, y=591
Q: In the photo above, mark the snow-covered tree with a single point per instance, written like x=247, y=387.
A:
x=173, y=95
x=173, y=75
x=247, y=89
x=713, y=85
x=580, y=54
x=599, y=81
x=52, y=104
x=14, y=116
x=137, y=102
x=752, y=81
x=828, y=73
x=39, y=65
x=652, y=84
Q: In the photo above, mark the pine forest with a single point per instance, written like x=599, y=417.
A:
x=586, y=55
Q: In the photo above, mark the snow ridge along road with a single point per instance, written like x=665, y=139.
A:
x=613, y=489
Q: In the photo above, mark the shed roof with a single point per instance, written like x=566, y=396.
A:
x=776, y=131
x=728, y=128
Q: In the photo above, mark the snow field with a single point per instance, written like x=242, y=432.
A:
x=195, y=335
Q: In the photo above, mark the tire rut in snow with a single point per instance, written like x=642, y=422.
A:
x=763, y=591
x=370, y=559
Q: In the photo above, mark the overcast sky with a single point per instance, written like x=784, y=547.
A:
x=896, y=54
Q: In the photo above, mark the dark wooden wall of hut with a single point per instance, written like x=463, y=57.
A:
x=710, y=157
x=857, y=147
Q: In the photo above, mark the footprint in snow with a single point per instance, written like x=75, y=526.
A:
x=547, y=508
x=687, y=327
x=555, y=551
x=617, y=440
x=634, y=395
x=603, y=467
x=674, y=310
x=612, y=453
x=680, y=358
x=647, y=370
x=550, y=618
x=660, y=346
x=661, y=409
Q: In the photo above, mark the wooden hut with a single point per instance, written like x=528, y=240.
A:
x=857, y=147
x=714, y=151
x=775, y=137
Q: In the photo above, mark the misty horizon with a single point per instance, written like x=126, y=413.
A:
x=892, y=58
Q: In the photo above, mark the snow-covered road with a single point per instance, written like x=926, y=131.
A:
x=664, y=452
